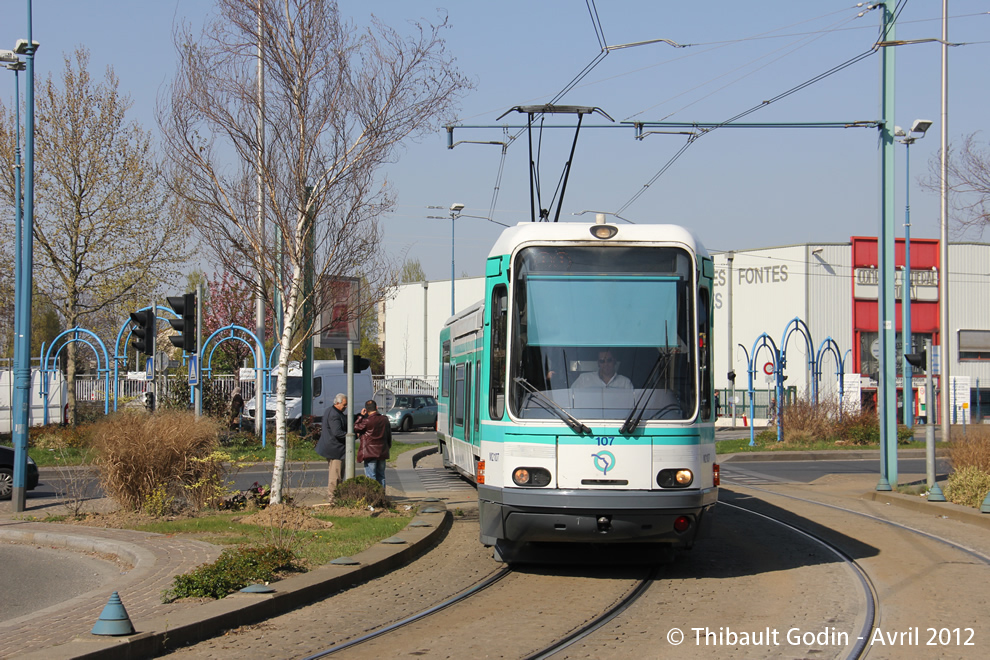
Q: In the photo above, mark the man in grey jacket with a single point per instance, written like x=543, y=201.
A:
x=332, y=443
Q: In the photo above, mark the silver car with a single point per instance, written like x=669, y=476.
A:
x=411, y=411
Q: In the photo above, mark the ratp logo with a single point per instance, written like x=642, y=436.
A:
x=604, y=461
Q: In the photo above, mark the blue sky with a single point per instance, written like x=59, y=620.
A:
x=735, y=188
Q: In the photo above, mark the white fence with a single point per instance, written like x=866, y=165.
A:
x=90, y=387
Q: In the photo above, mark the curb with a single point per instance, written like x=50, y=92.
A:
x=158, y=635
x=134, y=554
x=423, y=453
x=919, y=504
x=847, y=454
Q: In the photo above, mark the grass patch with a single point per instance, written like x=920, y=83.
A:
x=68, y=456
x=348, y=536
x=767, y=441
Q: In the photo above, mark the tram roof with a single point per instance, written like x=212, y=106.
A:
x=550, y=232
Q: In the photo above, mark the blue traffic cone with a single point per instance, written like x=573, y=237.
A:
x=114, y=619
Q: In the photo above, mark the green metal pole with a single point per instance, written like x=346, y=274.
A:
x=887, y=381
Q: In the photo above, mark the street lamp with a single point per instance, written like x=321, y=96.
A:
x=919, y=127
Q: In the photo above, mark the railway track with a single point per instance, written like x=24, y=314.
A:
x=597, y=621
x=875, y=604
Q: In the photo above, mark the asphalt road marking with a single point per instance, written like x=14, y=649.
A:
x=440, y=479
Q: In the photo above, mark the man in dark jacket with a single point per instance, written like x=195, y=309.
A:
x=332, y=443
x=376, y=440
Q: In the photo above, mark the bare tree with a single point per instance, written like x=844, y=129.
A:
x=106, y=230
x=338, y=102
x=969, y=184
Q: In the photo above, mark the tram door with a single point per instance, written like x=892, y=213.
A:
x=461, y=403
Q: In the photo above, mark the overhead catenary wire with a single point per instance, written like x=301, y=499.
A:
x=692, y=139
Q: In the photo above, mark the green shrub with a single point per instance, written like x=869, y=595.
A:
x=215, y=403
x=968, y=486
x=159, y=503
x=361, y=492
x=235, y=569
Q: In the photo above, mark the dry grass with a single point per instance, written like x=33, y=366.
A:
x=143, y=456
x=806, y=424
x=972, y=449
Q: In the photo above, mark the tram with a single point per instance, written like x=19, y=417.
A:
x=578, y=393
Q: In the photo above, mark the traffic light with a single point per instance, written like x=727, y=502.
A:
x=918, y=360
x=360, y=364
x=144, y=331
x=185, y=307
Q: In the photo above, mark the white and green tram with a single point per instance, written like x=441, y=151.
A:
x=578, y=394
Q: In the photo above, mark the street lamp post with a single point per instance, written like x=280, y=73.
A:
x=22, y=282
x=920, y=126
x=456, y=212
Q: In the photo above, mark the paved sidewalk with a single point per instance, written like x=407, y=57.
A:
x=155, y=560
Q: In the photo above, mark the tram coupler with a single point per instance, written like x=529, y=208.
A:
x=604, y=524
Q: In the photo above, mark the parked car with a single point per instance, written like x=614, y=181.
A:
x=412, y=410
x=7, y=473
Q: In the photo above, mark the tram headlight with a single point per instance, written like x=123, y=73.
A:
x=675, y=478
x=531, y=476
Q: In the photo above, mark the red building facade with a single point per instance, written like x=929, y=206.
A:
x=925, y=273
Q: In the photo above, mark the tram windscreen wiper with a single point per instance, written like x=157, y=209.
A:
x=550, y=405
x=633, y=420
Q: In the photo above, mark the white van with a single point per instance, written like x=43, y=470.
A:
x=36, y=411
x=329, y=379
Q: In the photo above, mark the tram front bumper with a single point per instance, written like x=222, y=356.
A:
x=578, y=516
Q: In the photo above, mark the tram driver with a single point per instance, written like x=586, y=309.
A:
x=606, y=376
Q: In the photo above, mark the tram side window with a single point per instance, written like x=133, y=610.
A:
x=477, y=396
x=704, y=350
x=458, y=403
x=465, y=406
x=499, y=334
x=444, y=369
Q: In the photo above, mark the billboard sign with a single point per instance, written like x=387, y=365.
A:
x=339, y=318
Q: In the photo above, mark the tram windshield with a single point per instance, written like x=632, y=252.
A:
x=599, y=333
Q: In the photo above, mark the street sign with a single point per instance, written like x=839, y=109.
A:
x=161, y=361
x=246, y=373
x=136, y=375
x=385, y=399
x=193, y=369
x=149, y=368
x=936, y=360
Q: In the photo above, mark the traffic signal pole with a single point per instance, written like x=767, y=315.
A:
x=199, y=350
x=352, y=406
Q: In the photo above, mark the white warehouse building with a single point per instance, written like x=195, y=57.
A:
x=829, y=289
